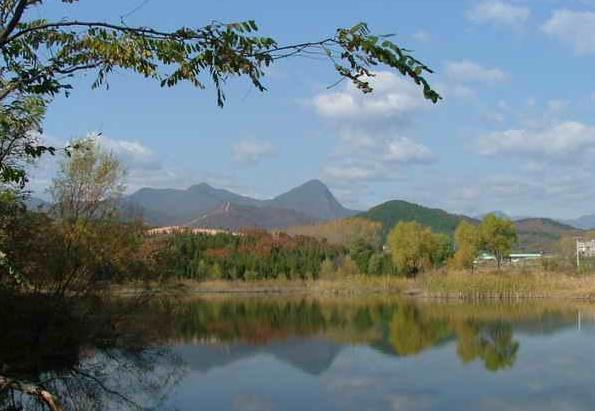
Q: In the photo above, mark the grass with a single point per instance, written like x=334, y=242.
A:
x=505, y=284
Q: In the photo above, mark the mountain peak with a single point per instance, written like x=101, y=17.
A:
x=200, y=187
x=314, y=199
x=314, y=183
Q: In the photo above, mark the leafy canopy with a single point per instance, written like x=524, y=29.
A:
x=415, y=247
x=467, y=242
x=498, y=236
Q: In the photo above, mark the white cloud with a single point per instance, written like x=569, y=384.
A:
x=133, y=154
x=567, y=141
x=393, y=96
x=465, y=71
x=574, y=28
x=252, y=151
x=359, y=164
x=404, y=150
x=498, y=13
x=343, y=173
x=422, y=36
x=370, y=129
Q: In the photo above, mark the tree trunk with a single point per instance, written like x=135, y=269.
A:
x=33, y=390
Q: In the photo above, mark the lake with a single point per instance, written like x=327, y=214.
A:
x=373, y=353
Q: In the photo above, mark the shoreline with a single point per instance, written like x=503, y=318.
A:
x=432, y=286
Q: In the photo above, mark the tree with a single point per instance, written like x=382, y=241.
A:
x=378, y=264
x=360, y=252
x=415, y=247
x=467, y=242
x=498, y=236
x=40, y=57
x=327, y=269
x=89, y=184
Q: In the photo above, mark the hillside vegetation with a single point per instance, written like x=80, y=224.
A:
x=393, y=212
x=542, y=234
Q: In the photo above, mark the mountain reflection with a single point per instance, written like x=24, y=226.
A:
x=132, y=358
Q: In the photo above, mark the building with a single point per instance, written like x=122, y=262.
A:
x=185, y=230
x=585, y=248
x=522, y=257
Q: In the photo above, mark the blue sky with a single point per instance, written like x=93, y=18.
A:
x=515, y=132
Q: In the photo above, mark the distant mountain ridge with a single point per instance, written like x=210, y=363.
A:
x=585, y=222
x=201, y=204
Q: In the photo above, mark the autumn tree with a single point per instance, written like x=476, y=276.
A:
x=467, y=242
x=498, y=236
x=89, y=183
x=415, y=248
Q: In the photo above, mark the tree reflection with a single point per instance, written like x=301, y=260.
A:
x=56, y=356
x=401, y=328
x=493, y=343
x=410, y=333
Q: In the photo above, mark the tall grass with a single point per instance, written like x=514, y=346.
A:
x=508, y=284
x=504, y=284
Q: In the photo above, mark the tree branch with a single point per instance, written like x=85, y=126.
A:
x=33, y=390
x=14, y=21
x=96, y=24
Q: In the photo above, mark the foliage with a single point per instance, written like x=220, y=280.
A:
x=360, y=252
x=89, y=183
x=415, y=248
x=327, y=269
x=20, y=123
x=66, y=258
x=498, y=236
x=82, y=246
x=467, y=242
x=391, y=213
x=347, y=267
x=250, y=255
x=380, y=264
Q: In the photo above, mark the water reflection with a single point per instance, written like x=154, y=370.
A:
x=80, y=355
x=482, y=332
x=267, y=353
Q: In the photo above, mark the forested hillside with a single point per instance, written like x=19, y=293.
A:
x=395, y=211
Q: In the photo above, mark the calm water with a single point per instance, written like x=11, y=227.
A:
x=265, y=354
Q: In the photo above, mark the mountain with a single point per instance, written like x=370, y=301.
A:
x=314, y=199
x=235, y=217
x=534, y=234
x=542, y=234
x=309, y=202
x=586, y=222
x=395, y=211
x=313, y=355
x=171, y=206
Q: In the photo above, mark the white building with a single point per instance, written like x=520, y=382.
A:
x=585, y=248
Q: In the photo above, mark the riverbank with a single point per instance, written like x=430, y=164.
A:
x=436, y=285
